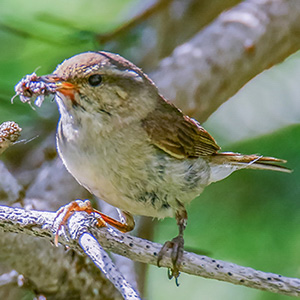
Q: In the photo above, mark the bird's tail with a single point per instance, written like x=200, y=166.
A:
x=224, y=163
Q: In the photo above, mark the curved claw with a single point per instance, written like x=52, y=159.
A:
x=164, y=249
x=177, y=246
x=171, y=275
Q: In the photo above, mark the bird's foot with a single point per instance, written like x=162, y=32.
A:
x=127, y=223
x=68, y=210
x=177, y=246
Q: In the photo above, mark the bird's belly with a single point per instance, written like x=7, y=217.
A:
x=137, y=178
x=127, y=193
x=115, y=170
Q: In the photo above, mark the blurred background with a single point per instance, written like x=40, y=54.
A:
x=251, y=218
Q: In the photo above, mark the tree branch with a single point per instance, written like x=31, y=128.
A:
x=82, y=228
x=42, y=224
x=199, y=76
x=96, y=253
x=180, y=22
x=242, y=42
x=135, y=21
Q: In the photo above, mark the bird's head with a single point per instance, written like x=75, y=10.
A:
x=102, y=83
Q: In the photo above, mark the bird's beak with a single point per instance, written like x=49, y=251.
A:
x=66, y=88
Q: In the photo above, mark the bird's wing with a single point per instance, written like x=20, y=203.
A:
x=178, y=135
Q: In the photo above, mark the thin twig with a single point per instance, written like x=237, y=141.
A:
x=41, y=224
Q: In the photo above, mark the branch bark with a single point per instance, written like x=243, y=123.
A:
x=82, y=226
x=64, y=275
x=171, y=24
x=200, y=75
x=242, y=42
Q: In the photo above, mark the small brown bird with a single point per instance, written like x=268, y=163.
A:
x=127, y=145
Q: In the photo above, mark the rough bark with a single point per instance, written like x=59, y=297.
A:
x=85, y=237
x=242, y=42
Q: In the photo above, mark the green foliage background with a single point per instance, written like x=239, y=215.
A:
x=253, y=217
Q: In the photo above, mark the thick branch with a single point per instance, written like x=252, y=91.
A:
x=204, y=72
x=181, y=21
x=40, y=224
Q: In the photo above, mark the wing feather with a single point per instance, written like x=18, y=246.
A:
x=178, y=135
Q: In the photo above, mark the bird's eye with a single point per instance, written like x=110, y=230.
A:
x=95, y=80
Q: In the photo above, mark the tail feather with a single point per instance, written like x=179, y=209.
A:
x=224, y=163
x=252, y=161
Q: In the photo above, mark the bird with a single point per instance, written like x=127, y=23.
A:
x=128, y=145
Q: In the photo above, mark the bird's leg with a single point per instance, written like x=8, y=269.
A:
x=177, y=246
x=125, y=225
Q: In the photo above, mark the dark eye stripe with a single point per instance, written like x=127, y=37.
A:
x=95, y=80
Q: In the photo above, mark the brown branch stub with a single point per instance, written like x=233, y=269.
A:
x=9, y=133
x=211, y=67
x=143, y=16
x=41, y=224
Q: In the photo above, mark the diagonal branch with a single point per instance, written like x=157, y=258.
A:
x=156, y=7
x=92, y=248
x=82, y=228
x=242, y=42
x=43, y=224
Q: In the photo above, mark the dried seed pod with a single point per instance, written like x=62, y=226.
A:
x=9, y=133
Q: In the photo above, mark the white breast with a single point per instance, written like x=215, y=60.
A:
x=114, y=168
x=122, y=168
